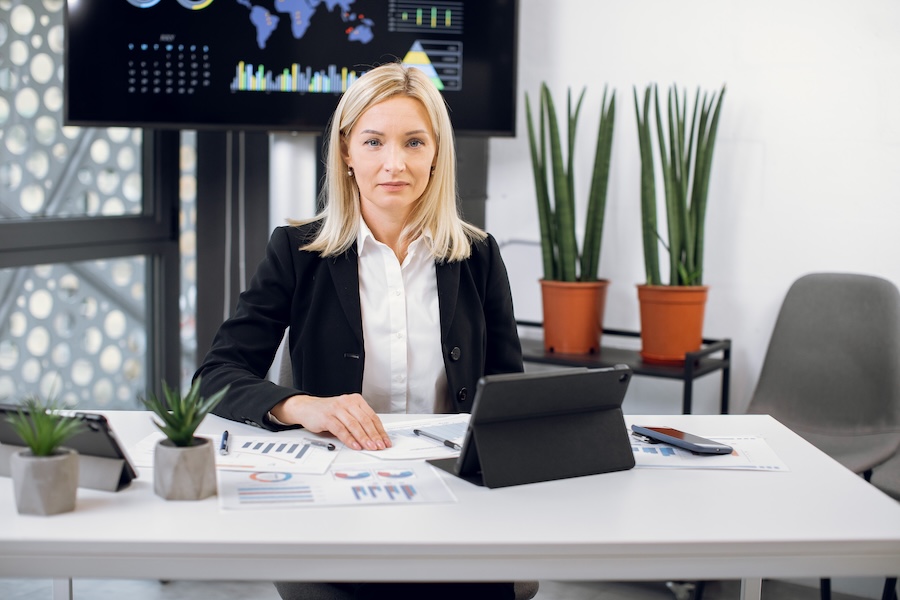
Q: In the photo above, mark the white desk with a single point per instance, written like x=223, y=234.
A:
x=818, y=520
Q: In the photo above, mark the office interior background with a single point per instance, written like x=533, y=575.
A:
x=805, y=178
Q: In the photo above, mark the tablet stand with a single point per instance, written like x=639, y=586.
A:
x=94, y=472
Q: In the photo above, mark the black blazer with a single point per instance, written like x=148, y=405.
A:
x=319, y=299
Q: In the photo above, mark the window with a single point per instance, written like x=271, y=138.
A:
x=89, y=254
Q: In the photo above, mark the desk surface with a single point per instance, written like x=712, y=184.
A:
x=816, y=520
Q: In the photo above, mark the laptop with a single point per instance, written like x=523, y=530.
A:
x=531, y=427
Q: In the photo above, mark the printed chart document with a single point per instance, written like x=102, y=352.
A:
x=750, y=452
x=407, y=445
x=292, y=452
x=353, y=484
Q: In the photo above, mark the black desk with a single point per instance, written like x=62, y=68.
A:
x=696, y=364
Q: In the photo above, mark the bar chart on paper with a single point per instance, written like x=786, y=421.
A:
x=295, y=455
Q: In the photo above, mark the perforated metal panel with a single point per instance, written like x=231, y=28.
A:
x=74, y=331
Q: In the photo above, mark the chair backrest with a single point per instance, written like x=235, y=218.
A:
x=285, y=374
x=833, y=362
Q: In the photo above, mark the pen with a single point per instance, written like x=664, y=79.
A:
x=448, y=443
x=223, y=445
x=321, y=444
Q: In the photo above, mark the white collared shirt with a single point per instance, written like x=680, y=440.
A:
x=404, y=369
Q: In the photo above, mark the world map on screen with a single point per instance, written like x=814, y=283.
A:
x=267, y=16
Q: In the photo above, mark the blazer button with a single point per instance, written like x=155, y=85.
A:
x=462, y=394
x=455, y=353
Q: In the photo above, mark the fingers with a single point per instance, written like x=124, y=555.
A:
x=348, y=417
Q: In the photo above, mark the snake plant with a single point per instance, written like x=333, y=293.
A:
x=686, y=158
x=562, y=260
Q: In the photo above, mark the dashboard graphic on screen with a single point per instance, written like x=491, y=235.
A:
x=280, y=64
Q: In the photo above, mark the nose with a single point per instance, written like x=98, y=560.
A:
x=394, y=161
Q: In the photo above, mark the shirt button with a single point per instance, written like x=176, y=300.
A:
x=462, y=394
x=455, y=353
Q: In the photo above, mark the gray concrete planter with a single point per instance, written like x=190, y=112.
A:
x=45, y=485
x=184, y=473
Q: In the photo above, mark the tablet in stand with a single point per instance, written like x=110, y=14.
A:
x=531, y=427
x=102, y=463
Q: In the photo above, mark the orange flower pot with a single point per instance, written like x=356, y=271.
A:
x=573, y=315
x=671, y=321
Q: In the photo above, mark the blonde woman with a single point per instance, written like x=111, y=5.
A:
x=394, y=303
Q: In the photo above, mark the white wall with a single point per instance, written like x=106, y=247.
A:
x=806, y=175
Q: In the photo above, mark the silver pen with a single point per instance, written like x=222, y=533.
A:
x=448, y=443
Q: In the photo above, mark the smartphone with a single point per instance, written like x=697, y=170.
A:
x=681, y=439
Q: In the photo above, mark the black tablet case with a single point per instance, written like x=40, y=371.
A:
x=102, y=464
x=531, y=427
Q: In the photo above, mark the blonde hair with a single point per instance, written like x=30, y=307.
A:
x=436, y=211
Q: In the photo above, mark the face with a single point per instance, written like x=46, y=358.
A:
x=391, y=150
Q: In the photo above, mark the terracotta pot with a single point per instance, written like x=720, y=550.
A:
x=184, y=473
x=671, y=321
x=573, y=315
x=45, y=485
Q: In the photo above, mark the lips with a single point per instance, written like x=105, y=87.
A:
x=393, y=185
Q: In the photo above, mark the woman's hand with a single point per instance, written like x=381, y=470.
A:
x=348, y=417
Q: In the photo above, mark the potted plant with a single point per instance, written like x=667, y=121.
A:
x=45, y=474
x=570, y=273
x=184, y=465
x=672, y=314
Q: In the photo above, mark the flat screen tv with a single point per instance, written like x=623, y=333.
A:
x=280, y=65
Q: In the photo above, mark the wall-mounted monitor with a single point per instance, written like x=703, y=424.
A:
x=280, y=65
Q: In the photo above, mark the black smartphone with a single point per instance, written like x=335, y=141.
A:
x=681, y=439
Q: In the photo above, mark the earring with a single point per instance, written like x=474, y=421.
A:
x=349, y=171
x=432, y=169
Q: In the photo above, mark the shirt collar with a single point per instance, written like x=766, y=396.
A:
x=366, y=234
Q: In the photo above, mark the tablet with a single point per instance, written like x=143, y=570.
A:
x=531, y=427
x=96, y=439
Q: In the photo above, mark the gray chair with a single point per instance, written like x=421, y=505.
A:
x=295, y=590
x=886, y=477
x=832, y=369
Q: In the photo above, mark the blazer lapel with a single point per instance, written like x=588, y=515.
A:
x=345, y=274
x=448, y=292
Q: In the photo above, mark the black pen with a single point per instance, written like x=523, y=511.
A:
x=223, y=445
x=448, y=443
x=320, y=444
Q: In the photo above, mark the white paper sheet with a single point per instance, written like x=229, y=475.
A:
x=409, y=446
x=346, y=484
x=750, y=452
x=281, y=452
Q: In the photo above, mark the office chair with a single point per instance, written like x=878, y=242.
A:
x=294, y=590
x=886, y=477
x=831, y=369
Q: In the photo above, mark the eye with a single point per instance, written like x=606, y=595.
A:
x=372, y=143
x=416, y=143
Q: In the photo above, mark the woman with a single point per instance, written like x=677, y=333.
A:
x=394, y=303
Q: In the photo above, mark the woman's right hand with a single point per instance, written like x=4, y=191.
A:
x=348, y=417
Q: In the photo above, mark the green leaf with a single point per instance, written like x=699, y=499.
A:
x=648, y=190
x=181, y=415
x=41, y=427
